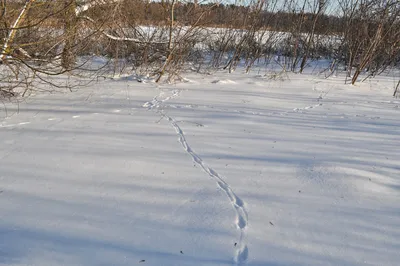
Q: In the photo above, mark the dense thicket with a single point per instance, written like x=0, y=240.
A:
x=39, y=38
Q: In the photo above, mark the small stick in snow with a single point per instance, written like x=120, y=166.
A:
x=271, y=223
x=141, y=261
x=181, y=252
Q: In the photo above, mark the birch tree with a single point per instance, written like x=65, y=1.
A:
x=8, y=42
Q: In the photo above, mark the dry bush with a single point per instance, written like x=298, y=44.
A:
x=371, y=36
x=159, y=39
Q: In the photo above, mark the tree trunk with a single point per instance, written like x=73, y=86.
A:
x=170, y=40
x=68, y=56
x=396, y=89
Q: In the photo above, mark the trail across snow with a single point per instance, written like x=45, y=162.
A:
x=242, y=219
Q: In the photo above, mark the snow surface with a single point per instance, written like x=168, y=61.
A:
x=223, y=169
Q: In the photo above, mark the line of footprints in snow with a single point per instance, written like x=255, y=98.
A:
x=241, y=221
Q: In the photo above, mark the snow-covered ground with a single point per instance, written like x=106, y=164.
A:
x=224, y=169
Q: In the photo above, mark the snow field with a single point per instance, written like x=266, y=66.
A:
x=226, y=169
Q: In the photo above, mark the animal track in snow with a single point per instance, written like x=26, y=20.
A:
x=13, y=125
x=223, y=81
x=307, y=107
x=241, y=213
x=156, y=103
x=241, y=221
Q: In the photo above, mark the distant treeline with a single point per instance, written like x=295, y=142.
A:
x=221, y=15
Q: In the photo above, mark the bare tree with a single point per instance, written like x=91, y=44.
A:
x=318, y=8
x=370, y=36
x=70, y=30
